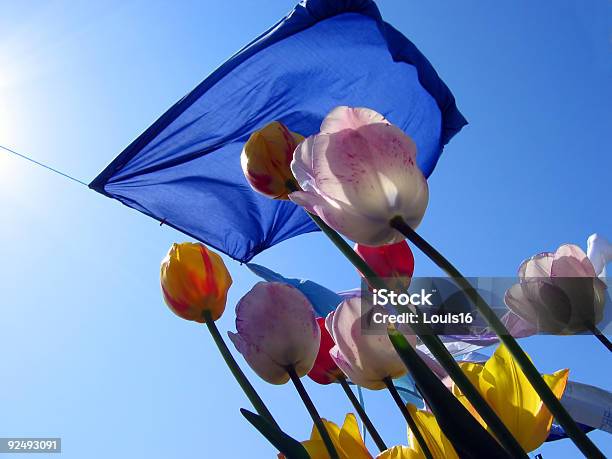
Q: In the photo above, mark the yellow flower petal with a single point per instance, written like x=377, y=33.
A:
x=194, y=279
x=506, y=388
x=400, y=452
x=351, y=442
x=436, y=441
x=347, y=441
x=316, y=449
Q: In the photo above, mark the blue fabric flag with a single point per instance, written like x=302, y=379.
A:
x=184, y=170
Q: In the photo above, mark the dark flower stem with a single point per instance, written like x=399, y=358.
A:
x=583, y=442
x=411, y=422
x=437, y=348
x=314, y=414
x=380, y=444
x=244, y=383
x=600, y=336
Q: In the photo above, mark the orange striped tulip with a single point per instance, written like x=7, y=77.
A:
x=194, y=280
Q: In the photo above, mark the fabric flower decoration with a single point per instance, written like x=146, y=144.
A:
x=366, y=358
x=558, y=292
x=276, y=329
x=504, y=386
x=325, y=370
x=194, y=280
x=358, y=173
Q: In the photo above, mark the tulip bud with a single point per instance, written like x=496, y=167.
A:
x=367, y=358
x=393, y=261
x=266, y=159
x=558, y=292
x=325, y=370
x=276, y=329
x=194, y=280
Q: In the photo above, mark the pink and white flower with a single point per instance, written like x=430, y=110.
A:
x=358, y=173
x=276, y=329
x=558, y=292
x=366, y=357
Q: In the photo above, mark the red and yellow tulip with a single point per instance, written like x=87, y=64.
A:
x=266, y=159
x=194, y=280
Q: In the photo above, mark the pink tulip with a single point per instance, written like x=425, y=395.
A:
x=366, y=357
x=558, y=292
x=276, y=329
x=358, y=173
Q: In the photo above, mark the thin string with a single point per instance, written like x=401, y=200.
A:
x=27, y=158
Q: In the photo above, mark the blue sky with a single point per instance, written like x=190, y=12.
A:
x=90, y=353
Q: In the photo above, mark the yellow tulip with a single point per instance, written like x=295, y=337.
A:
x=266, y=159
x=503, y=384
x=349, y=444
x=193, y=280
x=437, y=442
x=347, y=441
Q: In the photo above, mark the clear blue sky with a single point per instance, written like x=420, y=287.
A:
x=89, y=351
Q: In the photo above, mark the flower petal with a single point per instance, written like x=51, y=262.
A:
x=400, y=452
x=278, y=320
x=436, y=441
x=301, y=166
x=266, y=368
x=343, y=117
x=355, y=376
x=570, y=261
x=510, y=394
x=345, y=220
x=537, y=266
x=350, y=439
x=371, y=354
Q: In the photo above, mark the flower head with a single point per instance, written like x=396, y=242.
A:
x=366, y=358
x=325, y=370
x=504, y=386
x=276, y=329
x=194, y=280
x=558, y=292
x=358, y=173
x=350, y=445
x=393, y=261
x=266, y=157
x=347, y=441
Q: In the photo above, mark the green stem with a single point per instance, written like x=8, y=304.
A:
x=583, y=442
x=411, y=422
x=246, y=386
x=437, y=348
x=380, y=444
x=314, y=414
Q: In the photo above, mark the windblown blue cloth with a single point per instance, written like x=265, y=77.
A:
x=185, y=171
